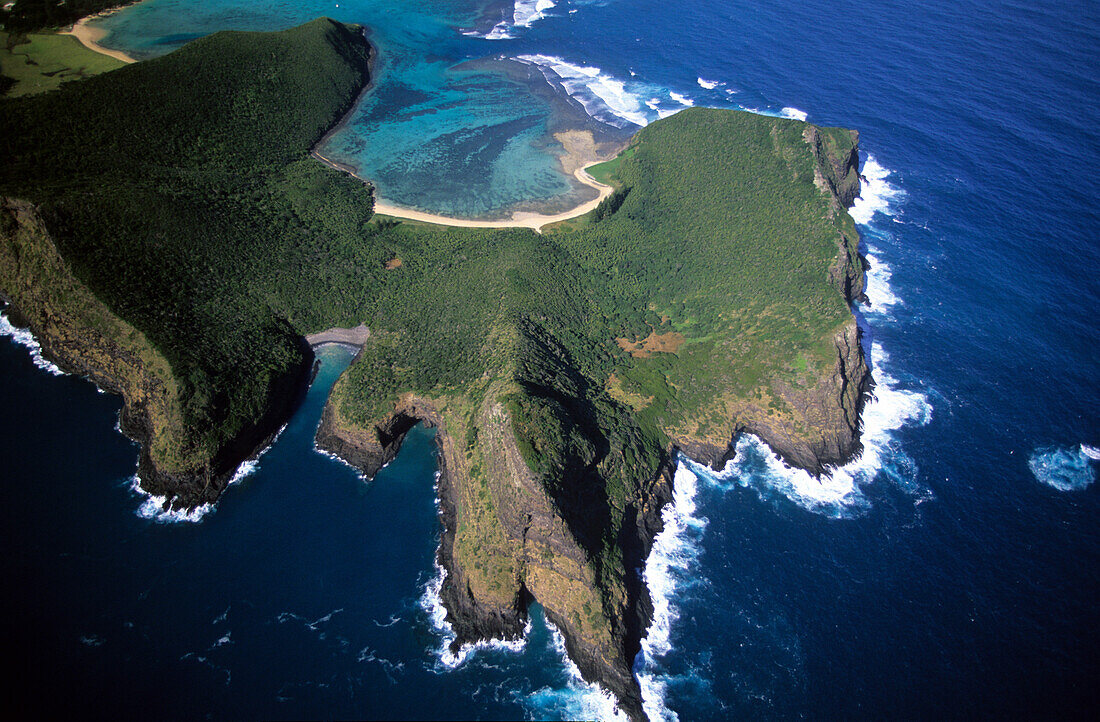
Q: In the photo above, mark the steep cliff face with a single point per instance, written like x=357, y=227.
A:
x=512, y=534
x=823, y=429
x=85, y=337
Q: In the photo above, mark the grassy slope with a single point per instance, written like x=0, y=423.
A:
x=39, y=62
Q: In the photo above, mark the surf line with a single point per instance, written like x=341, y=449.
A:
x=519, y=219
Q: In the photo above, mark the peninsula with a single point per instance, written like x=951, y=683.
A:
x=165, y=231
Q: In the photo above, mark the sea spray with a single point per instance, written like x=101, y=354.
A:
x=25, y=338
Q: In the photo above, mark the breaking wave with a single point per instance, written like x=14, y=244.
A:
x=837, y=493
x=152, y=507
x=670, y=567
x=524, y=14
x=432, y=604
x=794, y=114
x=876, y=195
x=577, y=699
x=25, y=338
x=1064, y=469
x=605, y=97
x=707, y=84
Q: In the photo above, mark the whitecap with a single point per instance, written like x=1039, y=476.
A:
x=681, y=99
x=525, y=13
x=1063, y=469
x=794, y=114
x=25, y=338
x=604, y=97
x=1090, y=451
x=876, y=192
x=707, y=84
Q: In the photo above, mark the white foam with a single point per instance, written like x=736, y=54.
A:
x=672, y=555
x=1064, y=469
x=527, y=12
x=681, y=99
x=577, y=699
x=707, y=84
x=837, y=492
x=524, y=14
x=152, y=507
x=604, y=97
x=25, y=338
x=340, y=459
x=794, y=114
x=668, y=568
x=876, y=192
x=432, y=603
x=880, y=295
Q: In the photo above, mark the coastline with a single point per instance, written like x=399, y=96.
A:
x=519, y=219
x=90, y=36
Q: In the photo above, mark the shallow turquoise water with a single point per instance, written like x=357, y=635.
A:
x=435, y=133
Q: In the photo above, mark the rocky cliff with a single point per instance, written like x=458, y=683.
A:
x=79, y=333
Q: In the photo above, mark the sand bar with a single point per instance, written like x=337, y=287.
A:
x=349, y=336
x=90, y=37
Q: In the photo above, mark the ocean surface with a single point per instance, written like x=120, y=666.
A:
x=952, y=571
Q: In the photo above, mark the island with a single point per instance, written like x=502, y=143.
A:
x=166, y=232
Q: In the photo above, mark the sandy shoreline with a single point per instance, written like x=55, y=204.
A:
x=90, y=36
x=522, y=219
x=580, y=155
x=347, y=336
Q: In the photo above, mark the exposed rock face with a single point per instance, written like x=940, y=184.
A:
x=829, y=411
x=507, y=540
x=84, y=337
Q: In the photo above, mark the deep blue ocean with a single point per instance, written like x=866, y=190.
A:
x=952, y=571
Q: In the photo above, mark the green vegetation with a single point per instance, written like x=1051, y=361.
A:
x=39, y=62
x=37, y=14
x=181, y=193
x=193, y=215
